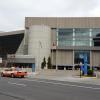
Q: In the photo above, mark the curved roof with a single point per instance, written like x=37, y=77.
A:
x=12, y=32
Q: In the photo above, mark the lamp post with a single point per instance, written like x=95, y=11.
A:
x=85, y=64
x=39, y=46
x=13, y=59
x=81, y=67
x=56, y=48
x=53, y=48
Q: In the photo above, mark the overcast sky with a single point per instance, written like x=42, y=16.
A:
x=13, y=12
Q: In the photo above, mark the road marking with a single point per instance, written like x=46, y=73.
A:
x=64, y=84
x=17, y=84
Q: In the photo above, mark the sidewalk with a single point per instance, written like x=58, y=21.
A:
x=69, y=78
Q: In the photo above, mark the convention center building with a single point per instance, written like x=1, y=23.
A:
x=64, y=40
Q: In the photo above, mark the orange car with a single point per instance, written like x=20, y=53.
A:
x=13, y=72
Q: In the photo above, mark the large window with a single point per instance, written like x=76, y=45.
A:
x=82, y=32
x=82, y=42
x=65, y=37
x=96, y=37
x=95, y=31
x=78, y=37
x=82, y=37
x=65, y=32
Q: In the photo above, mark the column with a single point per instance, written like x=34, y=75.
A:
x=73, y=37
x=73, y=59
x=90, y=35
x=56, y=48
x=91, y=60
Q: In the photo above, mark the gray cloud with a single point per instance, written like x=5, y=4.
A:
x=13, y=12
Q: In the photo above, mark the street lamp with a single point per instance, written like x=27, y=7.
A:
x=81, y=66
x=39, y=46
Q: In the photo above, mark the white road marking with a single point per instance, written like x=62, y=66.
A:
x=64, y=84
x=17, y=84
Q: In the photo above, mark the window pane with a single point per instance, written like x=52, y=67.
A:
x=79, y=56
x=65, y=32
x=82, y=42
x=82, y=37
x=82, y=32
x=65, y=43
x=65, y=37
x=95, y=32
x=96, y=37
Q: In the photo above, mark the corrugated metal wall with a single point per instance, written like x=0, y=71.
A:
x=96, y=58
x=63, y=58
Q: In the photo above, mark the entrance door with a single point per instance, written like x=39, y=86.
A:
x=79, y=55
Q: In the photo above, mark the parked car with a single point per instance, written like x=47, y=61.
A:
x=13, y=72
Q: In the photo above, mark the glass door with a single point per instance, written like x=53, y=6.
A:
x=79, y=56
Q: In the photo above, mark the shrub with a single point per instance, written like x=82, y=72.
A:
x=90, y=72
x=43, y=64
x=49, y=65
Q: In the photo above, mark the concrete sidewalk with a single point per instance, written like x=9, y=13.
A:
x=86, y=80
x=61, y=76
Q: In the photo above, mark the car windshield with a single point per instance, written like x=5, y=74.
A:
x=18, y=69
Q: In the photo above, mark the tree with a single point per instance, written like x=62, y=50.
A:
x=49, y=65
x=43, y=64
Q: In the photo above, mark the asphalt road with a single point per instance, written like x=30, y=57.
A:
x=38, y=89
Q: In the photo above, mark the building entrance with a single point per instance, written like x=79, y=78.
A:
x=79, y=57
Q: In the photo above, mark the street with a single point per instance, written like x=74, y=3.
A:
x=41, y=89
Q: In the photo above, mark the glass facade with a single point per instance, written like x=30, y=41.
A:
x=96, y=37
x=82, y=32
x=82, y=37
x=65, y=37
x=95, y=31
x=82, y=42
x=79, y=56
x=78, y=37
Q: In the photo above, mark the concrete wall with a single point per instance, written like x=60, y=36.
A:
x=20, y=50
x=25, y=41
x=53, y=37
x=39, y=44
x=64, y=22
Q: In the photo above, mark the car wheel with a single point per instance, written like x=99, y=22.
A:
x=2, y=75
x=12, y=75
x=22, y=76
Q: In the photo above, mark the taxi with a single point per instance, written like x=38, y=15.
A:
x=13, y=72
